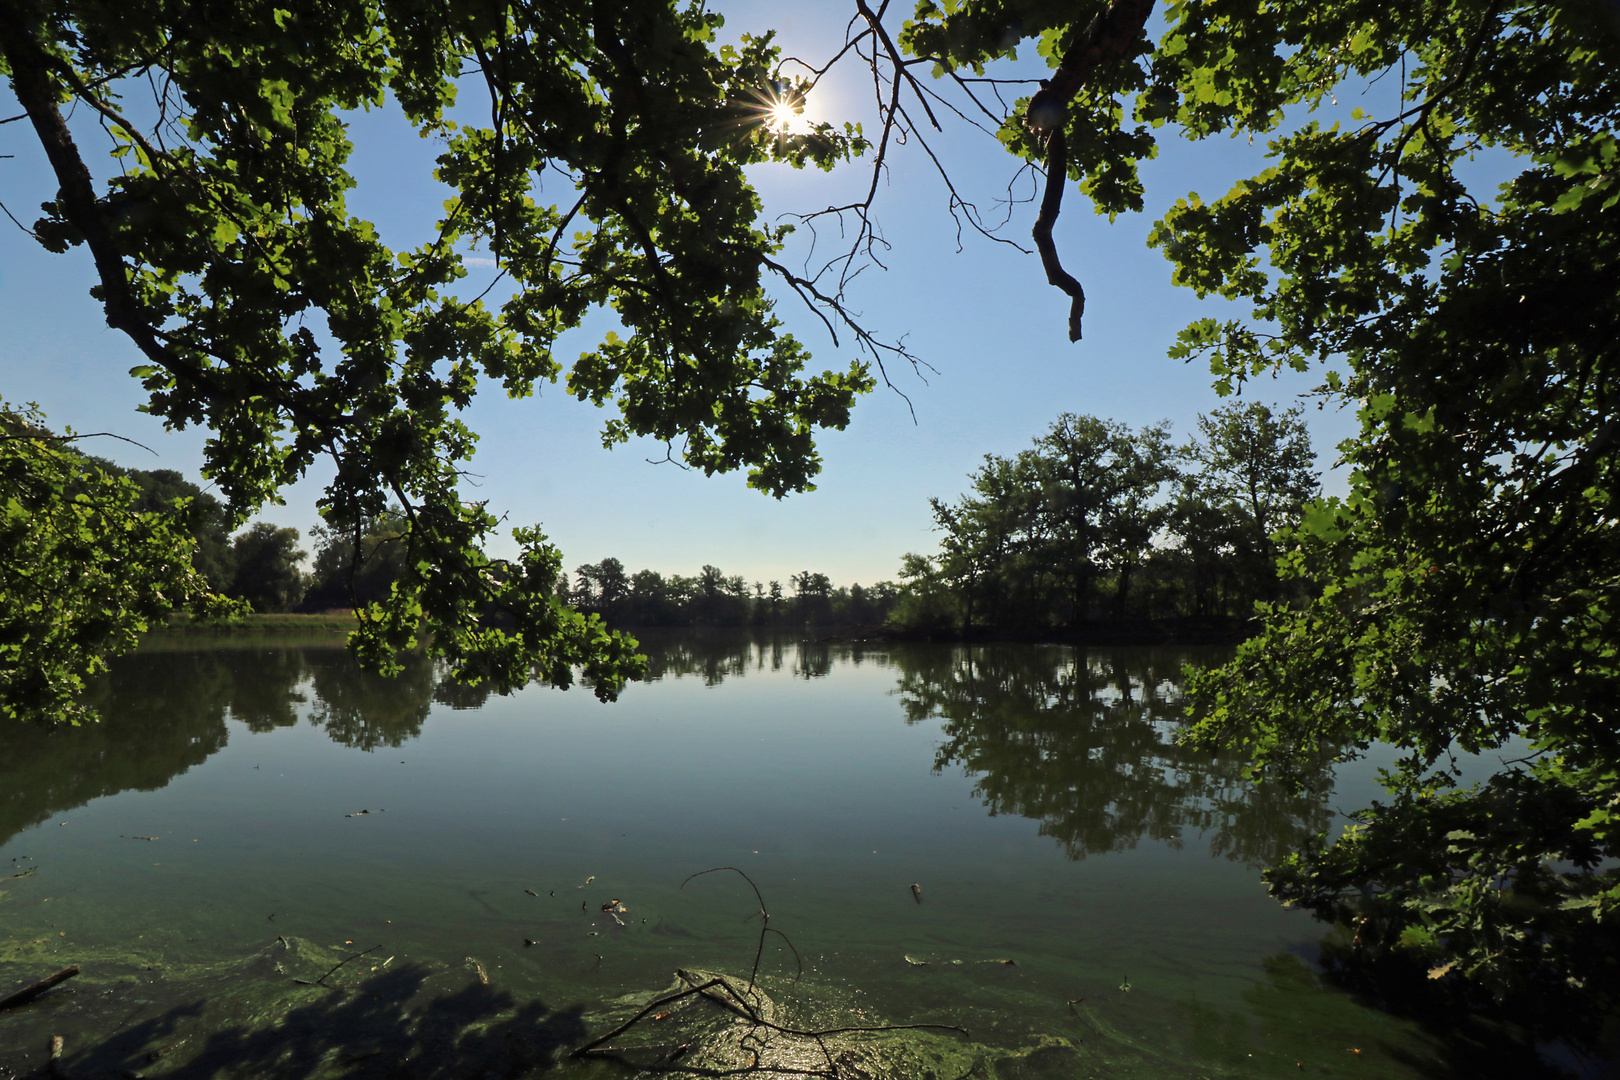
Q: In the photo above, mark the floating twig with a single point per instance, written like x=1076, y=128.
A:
x=29, y=993
x=322, y=980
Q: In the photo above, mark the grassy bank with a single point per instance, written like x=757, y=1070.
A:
x=325, y=628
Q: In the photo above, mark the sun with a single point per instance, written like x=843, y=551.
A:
x=782, y=116
x=789, y=114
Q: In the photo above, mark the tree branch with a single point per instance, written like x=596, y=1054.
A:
x=1109, y=37
x=1057, y=168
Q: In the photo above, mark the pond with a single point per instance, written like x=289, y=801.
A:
x=268, y=864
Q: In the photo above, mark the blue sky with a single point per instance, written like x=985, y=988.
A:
x=984, y=318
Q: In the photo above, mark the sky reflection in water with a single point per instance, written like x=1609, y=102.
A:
x=1034, y=794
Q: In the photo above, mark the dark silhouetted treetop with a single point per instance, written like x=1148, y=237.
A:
x=269, y=574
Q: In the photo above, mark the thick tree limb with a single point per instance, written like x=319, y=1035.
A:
x=30, y=79
x=1109, y=37
x=1057, y=168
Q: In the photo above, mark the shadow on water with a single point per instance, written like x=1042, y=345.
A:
x=400, y=1023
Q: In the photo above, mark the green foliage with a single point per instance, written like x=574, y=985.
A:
x=926, y=602
x=86, y=572
x=1467, y=584
x=195, y=510
x=357, y=566
x=267, y=575
x=270, y=315
x=1248, y=479
x=1461, y=597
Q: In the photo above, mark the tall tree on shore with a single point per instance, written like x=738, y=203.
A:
x=1250, y=476
x=1084, y=502
x=1103, y=490
x=268, y=571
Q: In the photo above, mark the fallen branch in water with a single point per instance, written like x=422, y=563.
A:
x=29, y=993
x=322, y=980
x=764, y=926
x=719, y=991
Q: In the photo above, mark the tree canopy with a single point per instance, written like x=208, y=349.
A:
x=1460, y=598
x=1096, y=519
x=267, y=313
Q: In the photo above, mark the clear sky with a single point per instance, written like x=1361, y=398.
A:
x=983, y=317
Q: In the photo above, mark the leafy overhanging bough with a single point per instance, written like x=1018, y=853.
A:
x=84, y=571
x=267, y=313
x=1462, y=596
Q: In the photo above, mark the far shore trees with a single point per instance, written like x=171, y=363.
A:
x=715, y=599
x=268, y=574
x=1096, y=521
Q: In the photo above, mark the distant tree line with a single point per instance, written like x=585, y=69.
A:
x=712, y=598
x=264, y=565
x=1096, y=521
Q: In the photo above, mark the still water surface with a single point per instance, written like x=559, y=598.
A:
x=204, y=847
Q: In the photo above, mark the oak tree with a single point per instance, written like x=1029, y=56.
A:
x=267, y=313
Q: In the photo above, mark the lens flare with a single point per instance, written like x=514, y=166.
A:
x=782, y=116
x=788, y=112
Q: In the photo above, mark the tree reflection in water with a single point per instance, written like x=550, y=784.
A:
x=1084, y=742
x=164, y=711
x=1081, y=742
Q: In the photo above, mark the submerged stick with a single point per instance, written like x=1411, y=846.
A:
x=322, y=980
x=720, y=991
x=628, y=1024
x=29, y=993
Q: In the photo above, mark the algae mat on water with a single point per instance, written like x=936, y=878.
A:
x=296, y=1009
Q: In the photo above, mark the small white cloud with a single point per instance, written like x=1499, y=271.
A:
x=478, y=260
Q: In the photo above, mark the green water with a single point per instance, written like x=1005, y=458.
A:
x=202, y=850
